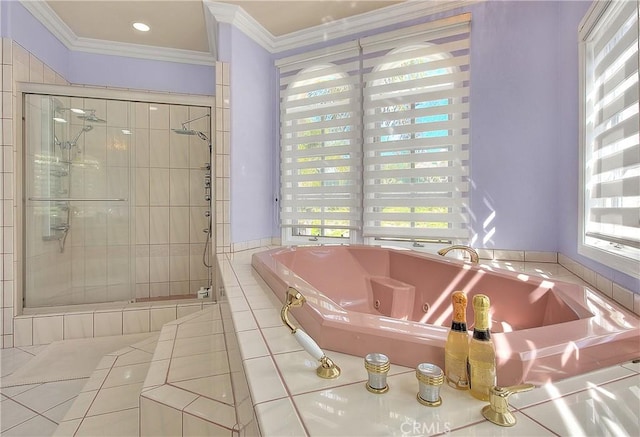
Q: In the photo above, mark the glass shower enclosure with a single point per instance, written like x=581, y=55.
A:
x=117, y=199
x=78, y=209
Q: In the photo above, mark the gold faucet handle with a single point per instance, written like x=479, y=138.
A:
x=498, y=409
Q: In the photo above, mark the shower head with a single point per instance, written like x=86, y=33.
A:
x=184, y=131
x=90, y=115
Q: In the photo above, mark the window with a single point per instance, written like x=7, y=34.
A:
x=375, y=138
x=609, y=140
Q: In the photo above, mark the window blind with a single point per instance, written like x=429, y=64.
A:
x=416, y=132
x=320, y=128
x=612, y=150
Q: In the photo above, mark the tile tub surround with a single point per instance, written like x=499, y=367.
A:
x=196, y=383
x=289, y=399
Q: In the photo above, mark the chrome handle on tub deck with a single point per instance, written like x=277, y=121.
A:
x=327, y=369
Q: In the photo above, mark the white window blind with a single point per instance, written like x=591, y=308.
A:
x=416, y=132
x=611, y=139
x=320, y=122
x=375, y=136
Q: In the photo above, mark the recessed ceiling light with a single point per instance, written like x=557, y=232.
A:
x=77, y=111
x=141, y=27
x=126, y=131
x=59, y=120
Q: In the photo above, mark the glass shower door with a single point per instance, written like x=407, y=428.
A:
x=78, y=221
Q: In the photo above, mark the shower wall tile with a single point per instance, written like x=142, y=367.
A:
x=159, y=263
x=7, y=78
x=141, y=145
x=96, y=266
x=142, y=115
x=179, y=225
x=47, y=329
x=36, y=70
x=159, y=187
x=197, y=223
x=198, y=153
x=118, y=114
x=159, y=117
x=142, y=291
x=78, y=325
x=180, y=288
x=49, y=75
x=142, y=264
x=77, y=266
x=142, y=186
x=7, y=132
x=118, y=265
x=179, y=262
x=158, y=289
x=118, y=147
x=142, y=225
x=179, y=187
x=107, y=323
x=179, y=150
x=159, y=225
x=159, y=148
x=196, y=188
x=178, y=114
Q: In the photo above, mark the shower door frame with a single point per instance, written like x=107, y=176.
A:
x=23, y=88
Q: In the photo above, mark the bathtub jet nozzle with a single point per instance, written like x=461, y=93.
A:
x=327, y=369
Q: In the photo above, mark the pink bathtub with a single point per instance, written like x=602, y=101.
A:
x=363, y=299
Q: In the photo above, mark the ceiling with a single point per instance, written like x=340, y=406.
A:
x=180, y=24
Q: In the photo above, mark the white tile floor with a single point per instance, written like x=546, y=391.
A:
x=104, y=404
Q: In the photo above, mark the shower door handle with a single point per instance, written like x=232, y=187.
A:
x=74, y=199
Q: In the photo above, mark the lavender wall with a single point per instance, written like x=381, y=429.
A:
x=253, y=144
x=514, y=125
x=19, y=25
x=141, y=74
x=102, y=70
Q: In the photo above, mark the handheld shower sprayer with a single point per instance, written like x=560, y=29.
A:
x=327, y=369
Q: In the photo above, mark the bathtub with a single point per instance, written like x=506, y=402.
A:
x=363, y=299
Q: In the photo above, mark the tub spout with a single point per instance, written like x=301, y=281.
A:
x=327, y=369
x=475, y=259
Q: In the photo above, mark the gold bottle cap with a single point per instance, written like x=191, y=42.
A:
x=481, y=301
x=459, y=301
x=481, y=304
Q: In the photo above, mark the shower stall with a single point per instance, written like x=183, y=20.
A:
x=116, y=204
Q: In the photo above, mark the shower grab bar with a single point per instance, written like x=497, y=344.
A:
x=74, y=199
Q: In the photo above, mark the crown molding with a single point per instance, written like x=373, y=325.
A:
x=47, y=16
x=390, y=15
x=236, y=16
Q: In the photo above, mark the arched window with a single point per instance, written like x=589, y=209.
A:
x=320, y=171
x=416, y=144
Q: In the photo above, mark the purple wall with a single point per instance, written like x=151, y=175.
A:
x=143, y=74
x=514, y=125
x=19, y=25
x=252, y=135
x=102, y=70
